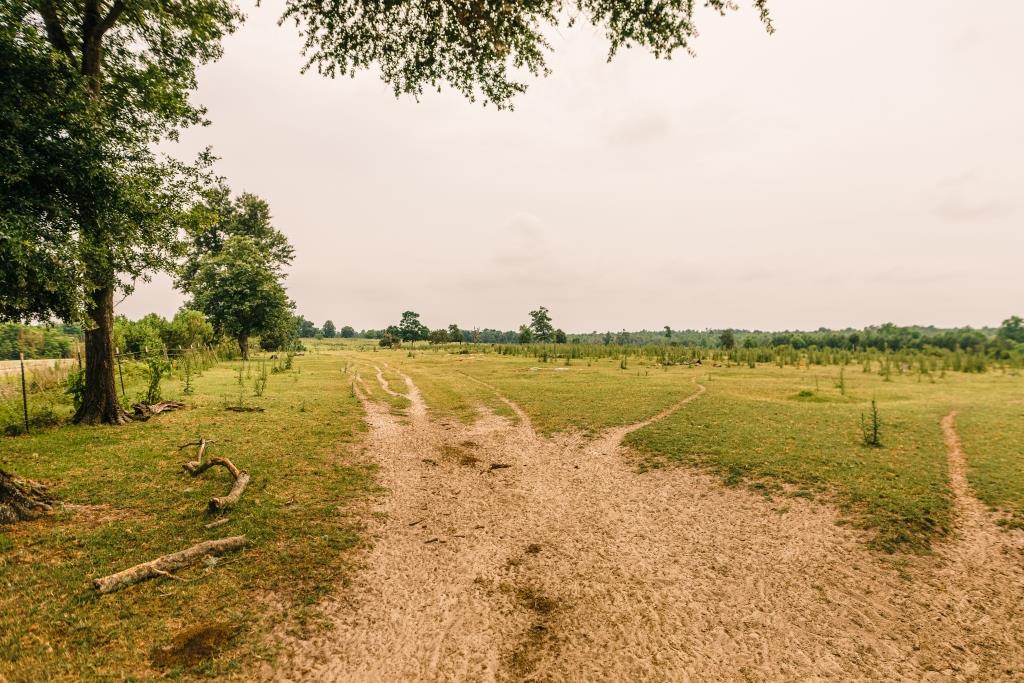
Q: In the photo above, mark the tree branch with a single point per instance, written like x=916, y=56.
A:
x=54, y=30
x=112, y=16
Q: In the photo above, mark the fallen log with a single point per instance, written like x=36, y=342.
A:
x=22, y=499
x=195, y=467
x=202, y=443
x=163, y=566
x=221, y=503
x=245, y=409
x=143, y=411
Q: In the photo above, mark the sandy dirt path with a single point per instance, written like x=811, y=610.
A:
x=570, y=565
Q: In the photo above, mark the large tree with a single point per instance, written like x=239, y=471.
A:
x=231, y=245
x=239, y=291
x=89, y=206
x=540, y=325
x=410, y=328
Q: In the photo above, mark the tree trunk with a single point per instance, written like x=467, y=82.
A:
x=100, y=403
x=243, y=344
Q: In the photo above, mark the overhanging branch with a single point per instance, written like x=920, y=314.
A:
x=54, y=30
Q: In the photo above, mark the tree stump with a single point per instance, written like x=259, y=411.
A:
x=22, y=499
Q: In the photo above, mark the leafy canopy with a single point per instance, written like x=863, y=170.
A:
x=238, y=290
x=479, y=47
x=86, y=92
x=410, y=328
x=540, y=325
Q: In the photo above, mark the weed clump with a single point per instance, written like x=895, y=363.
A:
x=870, y=427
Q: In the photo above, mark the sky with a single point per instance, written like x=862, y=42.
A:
x=864, y=164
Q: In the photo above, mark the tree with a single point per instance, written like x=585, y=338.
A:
x=281, y=333
x=347, y=332
x=540, y=325
x=218, y=217
x=329, y=330
x=138, y=337
x=306, y=328
x=410, y=328
x=1012, y=329
x=189, y=328
x=559, y=336
x=439, y=336
x=239, y=291
x=525, y=334
x=454, y=333
x=668, y=332
x=89, y=205
x=727, y=339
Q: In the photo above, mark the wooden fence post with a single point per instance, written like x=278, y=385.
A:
x=120, y=374
x=24, y=389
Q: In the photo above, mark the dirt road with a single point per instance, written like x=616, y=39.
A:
x=565, y=563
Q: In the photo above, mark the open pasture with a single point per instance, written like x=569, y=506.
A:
x=789, y=436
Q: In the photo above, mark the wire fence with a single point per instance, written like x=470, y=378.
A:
x=24, y=379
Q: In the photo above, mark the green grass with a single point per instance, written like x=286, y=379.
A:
x=992, y=435
x=446, y=388
x=370, y=385
x=297, y=513
x=768, y=425
x=782, y=431
x=586, y=396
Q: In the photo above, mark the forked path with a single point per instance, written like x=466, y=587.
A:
x=570, y=565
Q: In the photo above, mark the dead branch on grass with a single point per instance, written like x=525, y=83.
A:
x=143, y=411
x=163, y=566
x=241, y=477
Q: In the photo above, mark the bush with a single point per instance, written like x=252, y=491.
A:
x=158, y=367
x=871, y=426
x=76, y=387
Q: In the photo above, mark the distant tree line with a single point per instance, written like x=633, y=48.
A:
x=38, y=341
x=886, y=337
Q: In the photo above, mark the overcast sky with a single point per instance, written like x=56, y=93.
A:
x=864, y=164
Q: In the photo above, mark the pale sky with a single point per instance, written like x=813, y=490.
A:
x=863, y=164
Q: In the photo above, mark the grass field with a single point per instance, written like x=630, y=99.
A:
x=791, y=431
x=297, y=514
x=781, y=431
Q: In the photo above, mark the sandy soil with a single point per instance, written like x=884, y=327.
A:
x=571, y=565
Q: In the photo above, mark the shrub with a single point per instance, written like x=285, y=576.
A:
x=158, y=366
x=870, y=427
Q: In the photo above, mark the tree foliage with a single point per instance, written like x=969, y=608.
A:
x=727, y=339
x=89, y=204
x=410, y=328
x=1012, y=329
x=218, y=217
x=480, y=48
x=540, y=325
x=239, y=291
x=329, y=330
